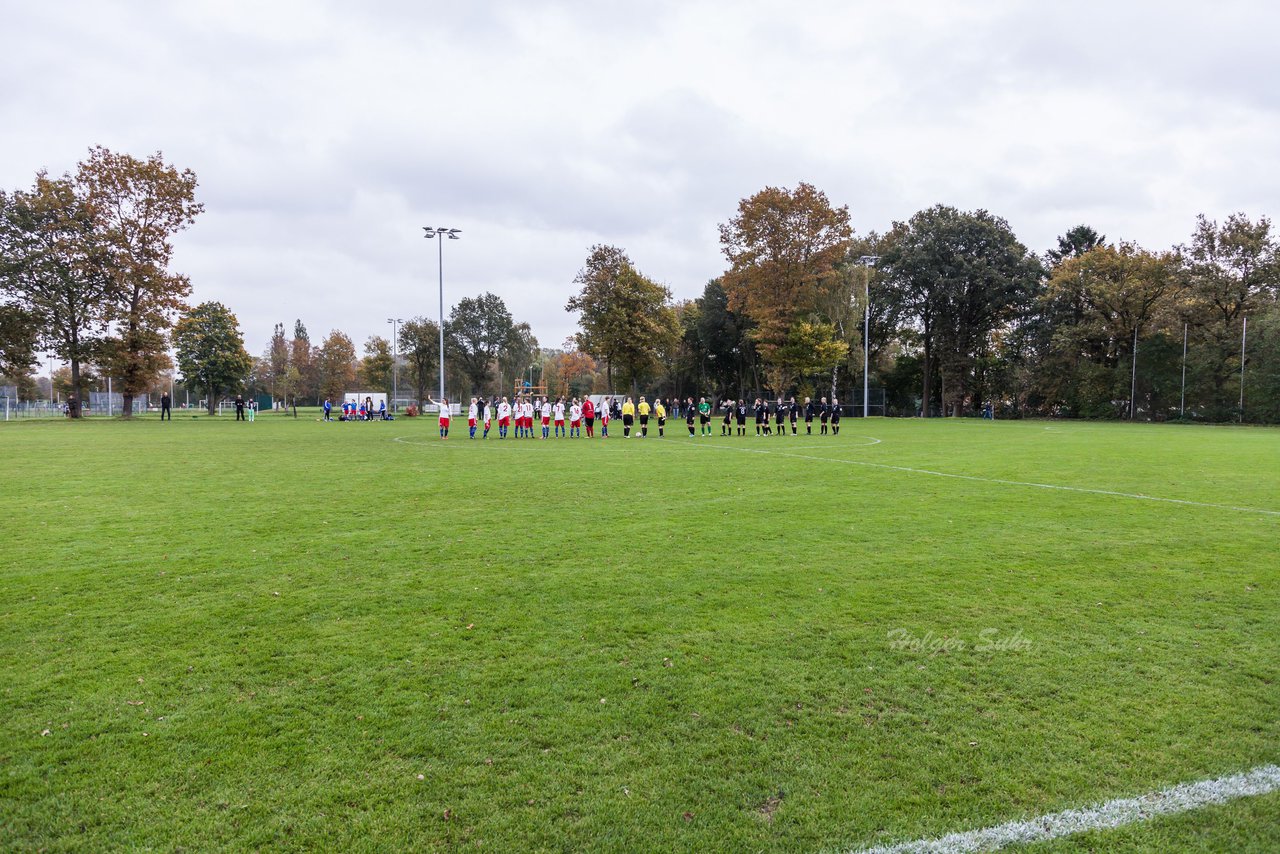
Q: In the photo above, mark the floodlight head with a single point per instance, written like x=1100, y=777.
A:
x=430, y=232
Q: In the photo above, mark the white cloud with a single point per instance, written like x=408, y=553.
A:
x=326, y=134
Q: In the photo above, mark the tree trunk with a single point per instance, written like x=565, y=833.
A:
x=835, y=375
x=77, y=395
x=211, y=401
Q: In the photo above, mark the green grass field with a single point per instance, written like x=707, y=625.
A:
x=354, y=636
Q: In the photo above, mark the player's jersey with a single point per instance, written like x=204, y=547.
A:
x=704, y=408
x=487, y=413
x=546, y=410
x=643, y=407
x=472, y=412
x=628, y=408
x=558, y=409
x=504, y=410
x=575, y=413
x=660, y=411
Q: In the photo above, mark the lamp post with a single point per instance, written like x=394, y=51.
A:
x=867, y=262
x=441, y=233
x=395, y=361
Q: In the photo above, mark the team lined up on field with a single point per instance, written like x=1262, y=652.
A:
x=565, y=418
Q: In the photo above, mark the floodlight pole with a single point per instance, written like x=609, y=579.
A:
x=1244, y=338
x=440, y=234
x=395, y=361
x=1133, y=381
x=1182, y=405
x=867, y=262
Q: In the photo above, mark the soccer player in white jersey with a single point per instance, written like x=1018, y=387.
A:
x=472, y=414
x=488, y=415
x=575, y=419
x=547, y=410
x=558, y=409
x=504, y=418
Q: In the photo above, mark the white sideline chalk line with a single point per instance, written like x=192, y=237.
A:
x=1135, y=495
x=1115, y=813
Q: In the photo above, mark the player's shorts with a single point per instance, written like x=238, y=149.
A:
x=471, y=422
x=559, y=422
x=504, y=422
x=627, y=420
x=704, y=419
x=444, y=422
x=575, y=423
x=546, y=421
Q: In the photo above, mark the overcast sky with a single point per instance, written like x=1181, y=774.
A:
x=326, y=134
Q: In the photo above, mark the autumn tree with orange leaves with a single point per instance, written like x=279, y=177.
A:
x=783, y=249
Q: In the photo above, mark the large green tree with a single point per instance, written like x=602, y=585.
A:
x=625, y=318
x=138, y=206
x=959, y=276
x=211, y=352
x=420, y=348
x=478, y=330
x=53, y=265
x=1232, y=271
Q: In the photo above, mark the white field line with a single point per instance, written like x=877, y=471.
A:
x=404, y=440
x=1116, y=813
x=1027, y=483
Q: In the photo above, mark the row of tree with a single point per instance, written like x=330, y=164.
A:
x=485, y=350
x=84, y=269
x=959, y=315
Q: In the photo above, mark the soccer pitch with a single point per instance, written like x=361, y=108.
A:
x=356, y=636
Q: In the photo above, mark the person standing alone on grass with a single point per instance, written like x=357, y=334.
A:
x=606, y=412
x=165, y=412
x=239, y=407
x=690, y=415
x=704, y=417
x=328, y=410
x=443, y=403
x=661, y=412
x=835, y=417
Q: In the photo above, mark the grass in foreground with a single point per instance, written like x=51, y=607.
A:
x=302, y=634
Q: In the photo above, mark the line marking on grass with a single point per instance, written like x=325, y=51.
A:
x=1027, y=483
x=1115, y=813
x=403, y=440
